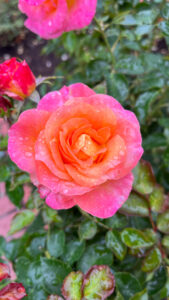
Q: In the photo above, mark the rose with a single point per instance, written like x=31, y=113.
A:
x=4, y=271
x=16, y=79
x=13, y=291
x=79, y=148
x=4, y=104
x=50, y=18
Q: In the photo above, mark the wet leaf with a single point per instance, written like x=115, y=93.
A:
x=140, y=296
x=157, y=199
x=163, y=222
x=72, y=286
x=99, y=283
x=21, y=220
x=114, y=243
x=158, y=281
x=127, y=284
x=87, y=230
x=135, y=205
x=56, y=242
x=143, y=178
x=73, y=251
x=152, y=260
x=135, y=239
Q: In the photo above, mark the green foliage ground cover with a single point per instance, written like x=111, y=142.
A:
x=123, y=53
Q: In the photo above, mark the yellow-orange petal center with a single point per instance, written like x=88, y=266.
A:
x=85, y=144
x=70, y=3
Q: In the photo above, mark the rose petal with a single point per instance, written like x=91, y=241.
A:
x=58, y=201
x=106, y=199
x=22, y=138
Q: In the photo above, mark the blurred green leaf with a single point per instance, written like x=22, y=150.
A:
x=21, y=220
x=56, y=242
x=15, y=195
x=73, y=251
x=164, y=26
x=117, y=86
x=117, y=221
x=158, y=281
x=143, y=178
x=127, y=284
x=87, y=230
x=152, y=260
x=163, y=222
x=140, y=296
x=114, y=243
x=157, y=199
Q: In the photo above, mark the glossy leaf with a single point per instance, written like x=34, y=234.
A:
x=165, y=241
x=72, y=286
x=98, y=283
x=56, y=242
x=157, y=199
x=135, y=205
x=163, y=222
x=114, y=243
x=96, y=254
x=73, y=251
x=143, y=178
x=140, y=296
x=21, y=220
x=152, y=260
x=135, y=239
x=158, y=281
x=127, y=284
x=117, y=221
x=87, y=230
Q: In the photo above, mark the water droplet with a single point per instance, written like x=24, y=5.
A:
x=28, y=154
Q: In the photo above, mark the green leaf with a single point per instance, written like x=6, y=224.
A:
x=142, y=106
x=165, y=11
x=70, y=42
x=164, y=27
x=73, y=251
x=147, y=16
x=130, y=65
x=54, y=272
x=158, y=281
x=127, y=284
x=157, y=199
x=165, y=241
x=163, y=222
x=15, y=195
x=152, y=260
x=114, y=243
x=135, y=239
x=117, y=221
x=140, y=296
x=99, y=283
x=164, y=122
x=150, y=82
x=56, y=242
x=143, y=178
x=96, y=254
x=37, y=293
x=5, y=172
x=87, y=230
x=135, y=205
x=72, y=286
x=37, y=245
x=117, y=86
x=21, y=220
x=155, y=140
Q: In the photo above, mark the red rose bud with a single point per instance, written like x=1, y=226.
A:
x=4, y=271
x=16, y=79
x=13, y=291
x=4, y=104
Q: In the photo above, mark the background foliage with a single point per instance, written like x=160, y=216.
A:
x=123, y=53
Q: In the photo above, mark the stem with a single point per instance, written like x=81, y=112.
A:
x=106, y=40
x=94, y=220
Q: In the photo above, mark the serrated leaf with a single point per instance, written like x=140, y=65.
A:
x=72, y=286
x=98, y=283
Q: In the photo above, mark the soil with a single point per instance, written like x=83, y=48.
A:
x=29, y=47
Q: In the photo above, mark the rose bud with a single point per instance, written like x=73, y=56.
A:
x=16, y=79
x=4, y=271
x=13, y=291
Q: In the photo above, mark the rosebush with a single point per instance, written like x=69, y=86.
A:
x=122, y=54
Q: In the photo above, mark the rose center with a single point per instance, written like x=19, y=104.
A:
x=87, y=146
x=70, y=3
